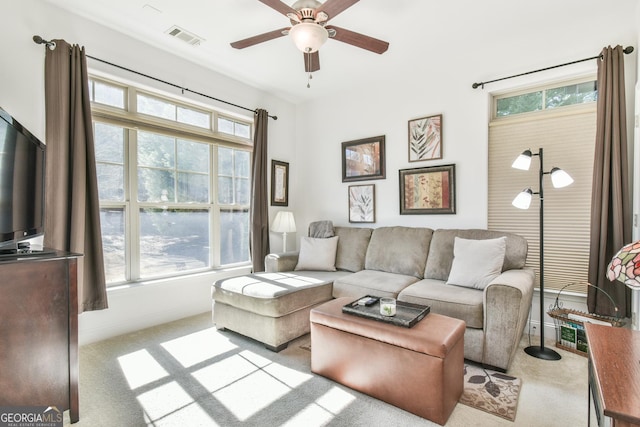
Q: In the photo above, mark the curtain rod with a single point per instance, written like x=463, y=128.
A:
x=52, y=45
x=626, y=50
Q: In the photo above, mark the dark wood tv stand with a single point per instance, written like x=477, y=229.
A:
x=39, y=331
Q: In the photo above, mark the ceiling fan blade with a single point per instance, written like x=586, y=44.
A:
x=280, y=7
x=311, y=61
x=241, y=44
x=335, y=7
x=358, y=40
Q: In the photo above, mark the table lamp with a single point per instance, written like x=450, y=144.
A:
x=625, y=267
x=284, y=223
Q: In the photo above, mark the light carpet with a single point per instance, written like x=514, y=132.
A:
x=186, y=373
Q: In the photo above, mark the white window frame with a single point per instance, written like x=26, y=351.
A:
x=132, y=122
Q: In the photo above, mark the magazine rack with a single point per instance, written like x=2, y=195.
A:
x=568, y=320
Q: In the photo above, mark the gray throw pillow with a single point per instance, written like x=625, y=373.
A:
x=317, y=254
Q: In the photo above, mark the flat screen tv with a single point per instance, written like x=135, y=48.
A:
x=22, y=170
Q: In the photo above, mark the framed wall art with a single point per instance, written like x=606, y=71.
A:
x=429, y=190
x=362, y=203
x=363, y=159
x=279, y=183
x=425, y=138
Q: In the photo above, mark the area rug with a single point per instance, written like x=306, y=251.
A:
x=491, y=391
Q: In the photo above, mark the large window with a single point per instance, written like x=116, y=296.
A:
x=567, y=135
x=174, y=190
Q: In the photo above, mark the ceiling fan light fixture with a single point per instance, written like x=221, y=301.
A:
x=308, y=37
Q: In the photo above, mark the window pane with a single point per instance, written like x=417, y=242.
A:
x=156, y=185
x=109, y=142
x=108, y=94
x=112, y=226
x=572, y=94
x=243, y=130
x=193, y=188
x=156, y=107
x=234, y=236
x=173, y=240
x=110, y=182
x=519, y=104
x=225, y=190
x=225, y=161
x=156, y=150
x=193, y=117
x=225, y=125
x=193, y=156
x=242, y=191
x=242, y=163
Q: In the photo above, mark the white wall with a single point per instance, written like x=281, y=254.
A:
x=385, y=108
x=22, y=95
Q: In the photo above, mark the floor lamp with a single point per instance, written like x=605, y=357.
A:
x=284, y=223
x=559, y=178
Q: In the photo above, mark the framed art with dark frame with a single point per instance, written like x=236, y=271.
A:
x=429, y=190
x=362, y=203
x=363, y=159
x=425, y=138
x=279, y=183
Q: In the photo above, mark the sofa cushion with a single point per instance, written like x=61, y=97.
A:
x=401, y=250
x=441, y=250
x=275, y=294
x=352, y=247
x=371, y=282
x=476, y=262
x=453, y=301
x=317, y=254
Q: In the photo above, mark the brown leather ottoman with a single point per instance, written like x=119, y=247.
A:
x=418, y=369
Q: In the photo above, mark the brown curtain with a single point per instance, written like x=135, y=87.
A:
x=259, y=196
x=610, y=198
x=72, y=215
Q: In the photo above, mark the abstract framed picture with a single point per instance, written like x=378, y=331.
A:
x=279, y=183
x=362, y=203
x=425, y=138
x=429, y=190
x=363, y=159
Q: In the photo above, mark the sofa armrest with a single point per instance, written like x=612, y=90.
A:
x=284, y=261
x=507, y=301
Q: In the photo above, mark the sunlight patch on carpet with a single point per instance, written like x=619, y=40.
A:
x=491, y=391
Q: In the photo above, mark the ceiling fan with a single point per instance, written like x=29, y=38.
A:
x=309, y=30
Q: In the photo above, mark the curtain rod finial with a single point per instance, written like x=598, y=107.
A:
x=628, y=49
x=475, y=85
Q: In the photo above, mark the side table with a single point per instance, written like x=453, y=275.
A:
x=614, y=375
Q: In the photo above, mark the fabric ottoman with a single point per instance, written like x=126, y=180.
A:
x=272, y=308
x=418, y=369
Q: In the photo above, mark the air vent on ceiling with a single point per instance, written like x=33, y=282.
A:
x=184, y=35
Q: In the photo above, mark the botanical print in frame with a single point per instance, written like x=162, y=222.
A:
x=363, y=159
x=279, y=183
x=362, y=203
x=429, y=190
x=425, y=138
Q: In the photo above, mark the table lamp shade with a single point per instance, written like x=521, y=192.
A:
x=625, y=266
x=284, y=223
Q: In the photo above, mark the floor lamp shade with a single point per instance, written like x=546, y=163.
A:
x=284, y=223
x=625, y=267
x=559, y=178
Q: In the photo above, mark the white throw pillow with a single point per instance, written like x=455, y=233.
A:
x=317, y=254
x=476, y=262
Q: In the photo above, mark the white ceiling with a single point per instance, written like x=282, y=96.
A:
x=429, y=39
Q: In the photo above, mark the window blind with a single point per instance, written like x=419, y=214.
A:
x=568, y=141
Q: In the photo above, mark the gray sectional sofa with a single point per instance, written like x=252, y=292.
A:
x=485, y=284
